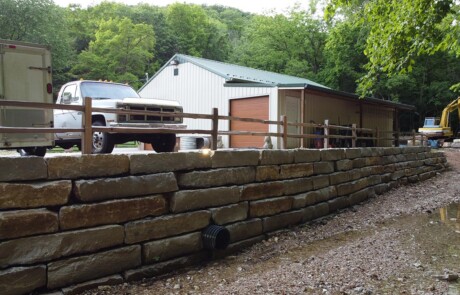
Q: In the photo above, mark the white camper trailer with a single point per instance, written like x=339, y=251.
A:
x=25, y=75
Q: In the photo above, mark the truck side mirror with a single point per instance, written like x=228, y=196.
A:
x=66, y=97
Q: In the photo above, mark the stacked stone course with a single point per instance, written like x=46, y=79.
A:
x=77, y=222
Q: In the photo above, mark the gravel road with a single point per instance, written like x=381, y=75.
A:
x=396, y=243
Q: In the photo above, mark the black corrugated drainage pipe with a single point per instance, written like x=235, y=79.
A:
x=215, y=237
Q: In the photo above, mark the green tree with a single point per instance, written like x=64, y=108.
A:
x=195, y=33
x=402, y=30
x=42, y=22
x=119, y=52
x=291, y=44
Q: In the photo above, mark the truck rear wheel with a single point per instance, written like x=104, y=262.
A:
x=163, y=143
x=102, y=143
x=38, y=151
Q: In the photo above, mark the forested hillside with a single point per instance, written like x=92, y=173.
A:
x=406, y=50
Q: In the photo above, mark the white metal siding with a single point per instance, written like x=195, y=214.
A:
x=199, y=90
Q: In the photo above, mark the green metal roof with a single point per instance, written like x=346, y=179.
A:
x=239, y=74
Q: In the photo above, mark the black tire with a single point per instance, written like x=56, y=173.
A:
x=164, y=143
x=39, y=151
x=102, y=142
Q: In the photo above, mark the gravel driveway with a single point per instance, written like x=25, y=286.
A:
x=393, y=244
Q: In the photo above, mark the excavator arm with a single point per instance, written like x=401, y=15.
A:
x=454, y=105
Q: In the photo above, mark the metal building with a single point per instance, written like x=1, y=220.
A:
x=200, y=84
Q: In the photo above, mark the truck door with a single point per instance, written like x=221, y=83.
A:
x=68, y=118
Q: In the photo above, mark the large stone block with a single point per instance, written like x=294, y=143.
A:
x=267, y=173
x=320, y=210
x=306, y=155
x=353, y=153
x=165, y=226
x=373, y=161
x=122, y=187
x=50, y=247
x=258, y=191
x=391, y=151
x=93, y=284
x=323, y=167
x=381, y=188
x=231, y=213
x=110, y=212
x=304, y=199
x=282, y=220
x=235, y=158
x=22, y=280
x=361, y=196
x=339, y=177
x=344, y=165
x=83, y=268
x=23, y=168
x=164, y=267
x=87, y=166
x=325, y=194
x=351, y=187
x=183, y=201
x=21, y=223
x=269, y=207
x=338, y=203
x=276, y=157
x=169, y=248
x=296, y=186
x=34, y=194
x=216, y=177
x=296, y=170
x=167, y=162
x=245, y=230
x=332, y=154
x=359, y=163
x=320, y=181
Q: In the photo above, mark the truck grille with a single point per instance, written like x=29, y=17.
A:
x=149, y=118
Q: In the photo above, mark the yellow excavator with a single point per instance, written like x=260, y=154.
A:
x=438, y=129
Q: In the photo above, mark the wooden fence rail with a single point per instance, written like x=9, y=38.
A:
x=322, y=133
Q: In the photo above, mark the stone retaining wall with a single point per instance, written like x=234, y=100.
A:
x=71, y=223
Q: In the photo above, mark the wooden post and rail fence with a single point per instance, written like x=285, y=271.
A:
x=350, y=136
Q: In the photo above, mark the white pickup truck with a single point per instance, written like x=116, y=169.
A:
x=115, y=95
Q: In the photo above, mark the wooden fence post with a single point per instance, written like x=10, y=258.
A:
x=87, y=138
x=326, y=134
x=413, y=137
x=215, y=128
x=353, y=134
x=284, y=132
x=377, y=135
x=397, y=138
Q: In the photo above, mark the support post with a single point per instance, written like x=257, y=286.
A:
x=377, y=135
x=326, y=134
x=353, y=134
x=87, y=138
x=285, y=130
x=413, y=137
x=215, y=128
x=302, y=116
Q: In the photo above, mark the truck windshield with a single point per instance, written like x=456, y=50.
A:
x=98, y=90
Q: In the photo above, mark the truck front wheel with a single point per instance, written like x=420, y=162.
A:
x=163, y=143
x=102, y=143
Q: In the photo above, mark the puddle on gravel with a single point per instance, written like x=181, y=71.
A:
x=422, y=247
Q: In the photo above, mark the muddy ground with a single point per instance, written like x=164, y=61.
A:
x=396, y=243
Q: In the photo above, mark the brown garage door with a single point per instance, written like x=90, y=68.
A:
x=255, y=107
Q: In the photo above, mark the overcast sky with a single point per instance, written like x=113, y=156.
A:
x=244, y=5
